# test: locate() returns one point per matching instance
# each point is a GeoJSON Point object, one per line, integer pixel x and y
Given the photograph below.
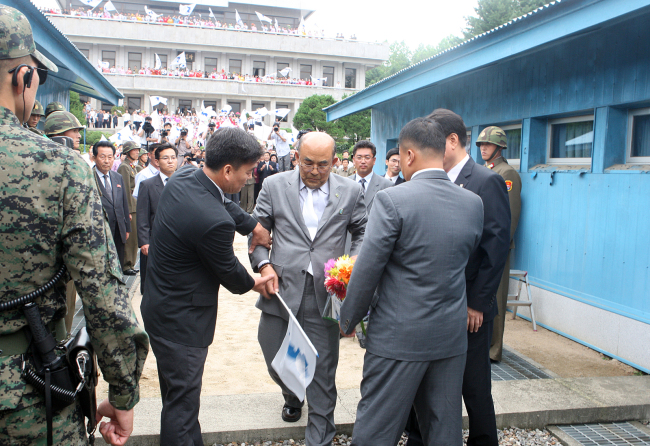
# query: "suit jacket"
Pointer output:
{"type": "Point", "coordinates": [411, 270]}
{"type": "Point", "coordinates": [115, 205]}
{"type": "Point", "coordinates": [190, 256]}
{"type": "Point", "coordinates": [278, 210]}
{"type": "Point", "coordinates": [399, 180]}
{"type": "Point", "coordinates": [128, 174]}
{"type": "Point", "coordinates": [485, 266]}
{"type": "Point", "coordinates": [264, 174]}
{"type": "Point", "coordinates": [377, 183]}
{"type": "Point", "coordinates": [148, 197]}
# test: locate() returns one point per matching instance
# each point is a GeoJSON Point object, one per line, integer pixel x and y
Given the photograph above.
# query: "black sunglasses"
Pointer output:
{"type": "Point", "coordinates": [42, 75]}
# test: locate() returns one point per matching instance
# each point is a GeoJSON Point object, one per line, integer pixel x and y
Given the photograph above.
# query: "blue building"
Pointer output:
{"type": "Point", "coordinates": [75, 73]}
{"type": "Point", "coordinates": [570, 83]}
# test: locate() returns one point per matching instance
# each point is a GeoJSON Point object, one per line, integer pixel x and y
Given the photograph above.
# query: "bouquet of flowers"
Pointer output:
{"type": "Point", "coordinates": [337, 277]}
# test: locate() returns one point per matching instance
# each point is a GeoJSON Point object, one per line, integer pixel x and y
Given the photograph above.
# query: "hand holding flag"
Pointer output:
{"type": "Point", "coordinates": [238, 19]}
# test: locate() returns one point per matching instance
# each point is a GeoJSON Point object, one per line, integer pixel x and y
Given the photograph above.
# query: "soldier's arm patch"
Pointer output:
{"type": "Point", "coordinates": [509, 185]}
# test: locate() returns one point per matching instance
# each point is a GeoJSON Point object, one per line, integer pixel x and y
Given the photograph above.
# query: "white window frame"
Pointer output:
{"type": "Point", "coordinates": [549, 139]}
{"type": "Point", "coordinates": [468, 147]}
{"type": "Point", "coordinates": [629, 159]}
{"type": "Point", "coordinates": [514, 162]}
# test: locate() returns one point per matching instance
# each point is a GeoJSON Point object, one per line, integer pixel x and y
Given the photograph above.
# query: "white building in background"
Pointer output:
{"type": "Point", "coordinates": [341, 64]}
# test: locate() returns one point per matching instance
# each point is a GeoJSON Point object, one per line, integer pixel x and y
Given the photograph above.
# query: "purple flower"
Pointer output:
{"type": "Point", "coordinates": [331, 263]}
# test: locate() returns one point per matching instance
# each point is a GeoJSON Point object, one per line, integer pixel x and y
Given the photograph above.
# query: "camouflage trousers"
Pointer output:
{"type": "Point", "coordinates": [28, 426]}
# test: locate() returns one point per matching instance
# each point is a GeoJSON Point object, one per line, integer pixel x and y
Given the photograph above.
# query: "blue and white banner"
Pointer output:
{"type": "Point", "coordinates": [155, 100]}
{"type": "Point", "coordinates": [150, 13]}
{"type": "Point", "coordinates": [281, 112]}
{"type": "Point", "coordinates": [126, 134]}
{"type": "Point", "coordinates": [179, 62]}
{"type": "Point", "coordinates": [226, 109]}
{"type": "Point", "coordinates": [92, 3]}
{"type": "Point", "coordinates": [158, 65]}
{"type": "Point", "coordinates": [211, 13]}
{"type": "Point", "coordinates": [103, 65]}
{"type": "Point", "coordinates": [263, 18]}
{"type": "Point", "coordinates": [285, 71]}
{"type": "Point", "coordinates": [295, 362]}
{"type": "Point", "coordinates": [109, 6]}
{"type": "Point", "coordinates": [238, 19]}
{"type": "Point", "coordinates": [186, 9]}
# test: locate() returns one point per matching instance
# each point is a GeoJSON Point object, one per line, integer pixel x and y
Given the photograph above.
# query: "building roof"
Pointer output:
{"type": "Point", "coordinates": [542, 27]}
{"type": "Point", "coordinates": [74, 68]}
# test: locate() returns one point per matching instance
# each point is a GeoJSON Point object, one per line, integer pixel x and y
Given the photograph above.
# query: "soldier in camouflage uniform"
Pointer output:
{"type": "Point", "coordinates": [52, 216]}
{"type": "Point", "coordinates": [32, 122]}
{"type": "Point", "coordinates": [128, 170]}
{"type": "Point", "coordinates": [492, 141]}
{"type": "Point", "coordinates": [52, 107]}
{"type": "Point", "coordinates": [63, 123]}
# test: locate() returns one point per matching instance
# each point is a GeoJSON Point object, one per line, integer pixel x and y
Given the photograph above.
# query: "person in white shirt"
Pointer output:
{"type": "Point", "coordinates": [364, 156]}
{"type": "Point", "coordinates": [392, 167]}
{"type": "Point", "coordinates": [127, 118]}
{"type": "Point", "coordinates": [282, 149]}
{"type": "Point", "coordinates": [148, 172]}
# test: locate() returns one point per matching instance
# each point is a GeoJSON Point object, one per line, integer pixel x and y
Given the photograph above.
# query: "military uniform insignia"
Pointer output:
{"type": "Point", "coordinates": [509, 185]}
{"type": "Point", "coordinates": [491, 166]}
{"type": "Point", "coordinates": [461, 185]}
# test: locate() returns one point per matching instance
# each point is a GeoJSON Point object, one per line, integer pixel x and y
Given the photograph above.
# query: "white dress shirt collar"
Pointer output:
{"type": "Point", "coordinates": [455, 171]}
{"type": "Point", "coordinates": [325, 188]}
{"type": "Point", "coordinates": [163, 177]}
{"type": "Point", "coordinates": [391, 179]}
{"type": "Point", "coordinates": [153, 170]}
{"type": "Point", "coordinates": [368, 178]}
{"type": "Point", "coordinates": [101, 177]}
{"type": "Point", "coordinates": [422, 171]}
{"type": "Point", "coordinates": [223, 198]}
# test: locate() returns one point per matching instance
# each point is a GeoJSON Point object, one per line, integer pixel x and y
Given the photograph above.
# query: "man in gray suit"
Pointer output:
{"type": "Point", "coordinates": [411, 272]}
{"type": "Point", "coordinates": [364, 156]}
{"type": "Point", "coordinates": [309, 211]}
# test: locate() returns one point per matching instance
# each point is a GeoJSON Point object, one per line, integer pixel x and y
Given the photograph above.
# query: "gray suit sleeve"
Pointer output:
{"type": "Point", "coordinates": [357, 225]}
{"type": "Point", "coordinates": [384, 229]}
{"type": "Point", "coordinates": [264, 215]}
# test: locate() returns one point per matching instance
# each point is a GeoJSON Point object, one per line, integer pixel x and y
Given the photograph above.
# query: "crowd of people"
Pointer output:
{"type": "Point", "coordinates": [196, 20]}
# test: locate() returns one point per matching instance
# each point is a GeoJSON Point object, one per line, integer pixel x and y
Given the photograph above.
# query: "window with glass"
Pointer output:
{"type": "Point", "coordinates": [468, 144]}
{"type": "Point", "coordinates": [305, 72]}
{"type": "Point", "coordinates": [350, 78]}
{"type": "Point", "coordinates": [639, 136]}
{"type": "Point", "coordinates": [236, 106]}
{"type": "Point", "coordinates": [106, 106]}
{"type": "Point", "coordinates": [234, 66]}
{"type": "Point", "coordinates": [83, 98]}
{"type": "Point", "coordinates": [259, 68]}
{"type": "Point", "coordinates": [185, 105]}
{"type": "Point", "coordinates": [109, 56]}
{"type": "Point", "coordinates": [328, 73]}
{"type": "Point", "coordinates": [163, 61]}
{"type": "Point", "coordinates": [571, 139]}
{"type": "Point", "coordinates": [257, 105]}
{"type": "Point", "coordinates": [282, 66]}
{"type": "Point", "coordinates": [513, 137]}
{"type": "Point", "coordinates": [212, 104]}
{"type": "Point", "coordinates": [210, 64]}
{"type": "Point", "coordinates": [135, 61]}
{"type": "Point", "coordinates": [134, 103]}
{"type": "Point", "coordinates": [85, 52]}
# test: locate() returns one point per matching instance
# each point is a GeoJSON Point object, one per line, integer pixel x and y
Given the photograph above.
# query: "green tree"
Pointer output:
{"type": "Point", "coordinates": [399, 58]}
{"type": "Point", "coordinates": [356, 126]}
{"type": "Point", "coordinates": [310, 115]}
{"type": "Point", "coordinates": [77, 107]}
{"type": "Point", "coordinates": [423, 52]}
{"type": "Point", "coordinates": [493, 13]}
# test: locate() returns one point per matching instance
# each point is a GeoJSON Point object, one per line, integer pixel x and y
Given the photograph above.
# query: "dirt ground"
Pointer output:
{"type": "Point", "coordinates": [235, 364]}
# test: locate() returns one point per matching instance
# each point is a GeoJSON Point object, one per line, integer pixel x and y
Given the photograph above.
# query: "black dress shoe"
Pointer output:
{"type": "Point", "coordinates": [130, 272]}
{"type": "Point", "coordinates": [291, 414]}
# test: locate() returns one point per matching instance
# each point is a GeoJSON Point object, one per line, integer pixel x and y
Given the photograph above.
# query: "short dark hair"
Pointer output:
{"type": "Point", "coordinates": [148, 118]}
{"type": "Point", "coordinates": [276, 157]}
{"type": "Point", "coordinates": [450, 123]}
{"type": "Point", "coordinates": [391, 152]}
{"type": "Point", "coordinates": [162, 147]}
{"type": "Point", "coordinates": [231, 145]}
{"type": "Point", "coordinates": [167, 124]}
{"type": "Point", "coordinates": [153, 147]}
{"type": "Point", "coordinates": [364, 144]}
{"type": "Point", "coordinates": [425, 134]}
{"type": "Point", "coordinates": [99, 144]}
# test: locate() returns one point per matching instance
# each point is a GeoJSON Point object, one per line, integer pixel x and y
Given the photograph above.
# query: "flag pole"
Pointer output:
{"type": "Point", "coordinates": [297, 324]}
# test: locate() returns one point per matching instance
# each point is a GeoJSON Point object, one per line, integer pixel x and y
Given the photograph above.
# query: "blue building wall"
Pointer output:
{"type": "Point", "coordinates": [583, 233]}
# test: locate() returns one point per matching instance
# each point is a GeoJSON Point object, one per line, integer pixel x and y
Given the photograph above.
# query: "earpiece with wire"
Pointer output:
{"type": "Point", "coordinates": [27, 83]}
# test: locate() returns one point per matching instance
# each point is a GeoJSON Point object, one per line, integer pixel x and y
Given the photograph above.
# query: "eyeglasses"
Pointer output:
{"type": "Point", "coordinates": [394, 161]}
{"type": "Point", "coordinates": [42, 75]}
{"type": "Point", "coordinates": [105, 157]}
{"type": "Point", "coordinates": [361, 157]}
{"type": "Point", "coordinates": [168, 158]}
{"type": "Point", "coordinates": [322, 168]}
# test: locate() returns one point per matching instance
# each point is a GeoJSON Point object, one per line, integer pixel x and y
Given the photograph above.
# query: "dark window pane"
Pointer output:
{"type": "Point", "coordinates": [350, 78]}
{"type": "Point", "coordinates": [212, 104]}
{"type": "Point", "coordinates": [135, 61]}
{"type": "Point", "coordinates": [572, 140]}
{"type": "Point", "coordinates": [259, 68]}
{"type": "Point", "coordinates": [328, 73]}
{"type": "Point", "coordinates": [134, 103]}
{"type": "Point", "coordinates": [163, 61]}
{"type": "Point", "coordinates": [514, 144]}
{"type": "Point", "coordinates": [234, 66]}
{"type": "Point", "coordinates": [641, 136]}
{"type": "Point", "coordinates": [305, 72]}
{"type": "Point", "coordinates": [185, 105]}
{"type": "Point", "coordinates": [236, 107]}
{"type": "Point", "coordinates": [109, 56]}
{"type": "Point", "coordinates": [210, 64]}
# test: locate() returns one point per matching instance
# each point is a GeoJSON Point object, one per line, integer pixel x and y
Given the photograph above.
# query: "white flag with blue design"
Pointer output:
{"type": "Point", "coordinates": [281, 112]}
{"type": "Point", "coordinates": [179, 61]}
{"type": "Point", "coordinates": [285, 71]}
{"type": "Point", "coordinates": [262, 18]}
{"type": "Point", "coordinates": [150, 13]}
{"type": "Point", "coordinates": [155, 100]}
{"type": "Point", "coordinates": [103, 65]}
{"type": "Point", "coordinates": [295, 362]}
{"type": "Point", "coordinates": [226, 109]}
{"type": "Point", "coordinates": [109, 6]}
{"type": "Point", "coordinates": [238, 19]}
{"type": "Point", "coordinates": [92, 3]}
{"type": "Point", "coordinates": [158, 65]}
{"type": "Point", "coordinates": [186, 9]}
{"type": "Point", "coordinates": [211, 13]}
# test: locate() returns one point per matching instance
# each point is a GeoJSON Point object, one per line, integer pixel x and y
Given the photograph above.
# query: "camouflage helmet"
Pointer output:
{"type": "Point", "coordinates": [143, 151]}
{"type": "Point", "coordinates": [52, 107]}
{"type": "Point", "coordinates": [38, 109]}
{"type": "Point", "coordinates": [60, 122]}
{"type": "Point", "coordinates": [130, 145]}
{"type": "Point", "coordinates": [493, 135]}
{"type": "Point", "coordinates": [17, 39]}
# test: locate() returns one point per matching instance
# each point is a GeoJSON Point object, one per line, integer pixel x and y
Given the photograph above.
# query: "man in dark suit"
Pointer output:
{"type": "Point", "coordinates": [190, 256]}
{"type": "Point", "coordinates": [266, 168]}
{"type": "Point", "coordinates": [113, 192]}
{"type": "Point", "coordinates": [392, 167]}
{"type": "Point", "coordinates": [148, 197]}
{"type": "Point", "coordinates": [418, 307]}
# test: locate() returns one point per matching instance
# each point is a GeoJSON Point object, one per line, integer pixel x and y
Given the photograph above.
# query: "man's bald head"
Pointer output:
{"type": "Point", "coordinates": [315, 156]}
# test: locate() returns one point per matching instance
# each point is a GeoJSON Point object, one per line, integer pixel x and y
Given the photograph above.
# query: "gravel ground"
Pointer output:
{"type": "Point", "coordinates": [507, 437]}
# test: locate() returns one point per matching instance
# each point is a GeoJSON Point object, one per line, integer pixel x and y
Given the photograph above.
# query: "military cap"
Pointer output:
{"type": "Point", "coordinates": [38, 109]}
{"type": "Point", "coordinates": [61, 121]}
{"type": "Point", "coordinates": [130, 145]}
{"type": "Point", "coordinates": [54, 106]}
{"type": "Point", "coordinates": [143, 151]}
{"type": "Point", "coordinates": [17, 39]}
{"type": "Point", "coordinates": [493, 135]}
